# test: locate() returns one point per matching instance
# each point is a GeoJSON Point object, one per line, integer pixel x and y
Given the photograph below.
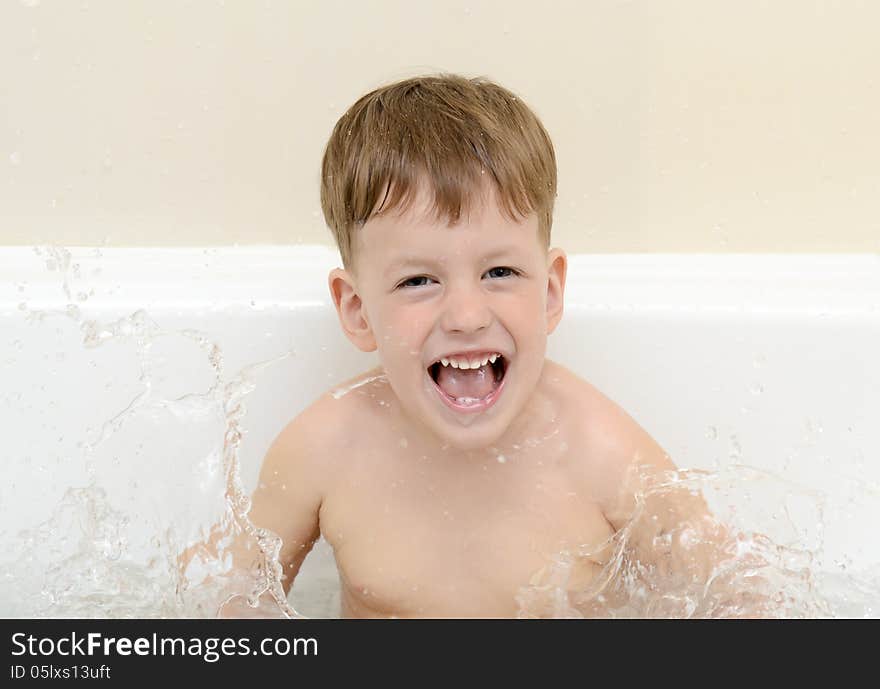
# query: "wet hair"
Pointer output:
{"type": "Point", "coordinates": [448, 130]}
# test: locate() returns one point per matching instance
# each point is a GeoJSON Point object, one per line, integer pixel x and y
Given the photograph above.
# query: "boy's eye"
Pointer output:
{"type": "Point", "coordinates": [419, 281]}
{"type": "Point", "coordinates": [501, 272]}
{"type": "Point", "coordinates": [424, 280]}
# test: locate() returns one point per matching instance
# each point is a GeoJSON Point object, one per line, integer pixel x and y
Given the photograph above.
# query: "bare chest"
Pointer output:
{"type": "Point", "coordinates": [416, 538]}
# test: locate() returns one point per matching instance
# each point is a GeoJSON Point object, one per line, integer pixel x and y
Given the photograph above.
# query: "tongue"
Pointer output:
{"type": "Point", "coordinates": [475, 383]}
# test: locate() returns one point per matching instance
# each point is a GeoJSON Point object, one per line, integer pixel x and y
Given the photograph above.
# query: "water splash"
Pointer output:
{"type": "Point", "coordinates": [102, 554]}
{"type": "Point", "coordinates": [750, 574]}
{"type": "Point", "coordinates": [342, 391]}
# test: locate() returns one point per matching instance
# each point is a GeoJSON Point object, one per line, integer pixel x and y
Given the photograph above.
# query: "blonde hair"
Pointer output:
{"type": "Point", "coordinates": [444, 128]}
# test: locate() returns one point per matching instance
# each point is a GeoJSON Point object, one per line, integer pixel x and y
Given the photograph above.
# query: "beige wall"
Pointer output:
{"type": "Point", "coordinates": [687, 125]}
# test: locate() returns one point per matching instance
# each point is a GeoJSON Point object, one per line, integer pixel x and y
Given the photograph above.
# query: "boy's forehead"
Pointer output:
{"type": "Point", "coordinates": [420, 207]}
{"type": "Point", "coordinates": [403, 238]}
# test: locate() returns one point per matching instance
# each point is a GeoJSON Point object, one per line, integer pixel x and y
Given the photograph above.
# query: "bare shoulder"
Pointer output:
{"type": "Point", "coordinates": [305, 432]}
{"type": "Point", "coordinates": [300, 470]}
{"type": "Point", "coordinates": [610, 442]}
{"type": "Point", "coordinates": [572, 390]}
{"type": "Point", "coordinates": [330, 423]}
{"type": "Point", "coordinates": [298, 473]}
{"type": "Point", "coordinates": [599, 419]}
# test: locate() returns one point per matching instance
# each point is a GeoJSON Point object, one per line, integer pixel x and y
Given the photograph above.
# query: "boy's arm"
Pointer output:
{"type": "Point", "coordinates": [286, 502]}
{"type": "Point", "coordinates": [288, 497]}
{"type": "Point", "coordinates": [672, 531]}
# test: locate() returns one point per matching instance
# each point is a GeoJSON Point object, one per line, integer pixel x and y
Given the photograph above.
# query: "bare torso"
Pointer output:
{"type": "Point", "coordinates": [421, 532]}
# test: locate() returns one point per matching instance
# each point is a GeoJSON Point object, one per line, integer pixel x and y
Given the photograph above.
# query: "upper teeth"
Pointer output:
{"type": "Point", "coordinates": [465, 362]}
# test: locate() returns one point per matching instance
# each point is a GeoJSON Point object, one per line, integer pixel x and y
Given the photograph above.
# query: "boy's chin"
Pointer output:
{"type": "Point", "coordinates": [471, 438]}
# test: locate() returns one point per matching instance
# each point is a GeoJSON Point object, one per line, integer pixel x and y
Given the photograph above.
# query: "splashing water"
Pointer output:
{"type": "Point", "coordinates": [92, 558]}
{"type": "Point", "coordinates": [784, 576]}
{"type": "Point", "coordinates": [112, 553]}
{"type": "Point", "coordinates": [171, 456]}
{"type": "Point", "coordinates": [344, 390]}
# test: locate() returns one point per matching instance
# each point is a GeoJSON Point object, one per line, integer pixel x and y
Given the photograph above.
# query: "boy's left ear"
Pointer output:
{"type": "Point", "coordinates": [557, 264]}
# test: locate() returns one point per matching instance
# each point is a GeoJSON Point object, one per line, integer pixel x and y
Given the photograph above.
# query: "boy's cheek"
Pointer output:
{"type": "Point", "coordinates": [402, 338]}
{"type": "Point", "coordinates": [406, 325]}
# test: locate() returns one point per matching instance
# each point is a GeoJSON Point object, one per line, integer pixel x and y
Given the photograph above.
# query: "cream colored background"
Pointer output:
{"type": "Point", "coordinates": [682, 126]}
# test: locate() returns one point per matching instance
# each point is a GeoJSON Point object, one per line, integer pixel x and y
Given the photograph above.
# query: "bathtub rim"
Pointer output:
{"type": "Point", "coordinates": [34, 277]}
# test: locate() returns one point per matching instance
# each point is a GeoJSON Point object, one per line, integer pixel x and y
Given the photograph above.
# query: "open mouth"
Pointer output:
{"type": "Point", "coordinates": [469, 382]}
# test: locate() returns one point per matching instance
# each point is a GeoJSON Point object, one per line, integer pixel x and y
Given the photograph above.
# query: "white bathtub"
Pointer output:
{"type": "Point", "coordinates": [116, 363]}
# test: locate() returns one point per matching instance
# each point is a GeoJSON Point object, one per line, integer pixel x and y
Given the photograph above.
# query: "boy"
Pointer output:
{"type": "Point", "coordinates": [448, 478]}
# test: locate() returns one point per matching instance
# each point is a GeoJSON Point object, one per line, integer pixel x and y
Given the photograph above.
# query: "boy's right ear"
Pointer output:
{"type": "Point", "coordinates": [350, 307]}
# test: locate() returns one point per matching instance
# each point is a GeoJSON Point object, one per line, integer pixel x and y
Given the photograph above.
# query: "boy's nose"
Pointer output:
{"type": "Point", "coordinates": [465, 311]}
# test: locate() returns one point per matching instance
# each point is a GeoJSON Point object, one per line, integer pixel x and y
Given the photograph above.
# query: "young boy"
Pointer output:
{"type": "Point", "coordinates": [448, 478]}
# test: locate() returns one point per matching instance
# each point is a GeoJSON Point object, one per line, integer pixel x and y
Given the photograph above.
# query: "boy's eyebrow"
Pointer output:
{"type": "Point", "coordinates": [408, 262]}
{"type": "Point", "coordinates": [418, 262]}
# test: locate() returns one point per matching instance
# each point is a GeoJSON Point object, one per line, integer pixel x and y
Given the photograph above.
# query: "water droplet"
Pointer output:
{"type": "Point", "coordinates": [720, 233]}
{"type": "Point", "coordinates": [712, 433]}
{"type": "Point", "coordinates": [813, 427]}
{"type": "Point", "coordinates": [501, 459]}
{"type": "Point", "coordinates": [735, 451]}
{"type": "Point", "coordinates": [15, 158]}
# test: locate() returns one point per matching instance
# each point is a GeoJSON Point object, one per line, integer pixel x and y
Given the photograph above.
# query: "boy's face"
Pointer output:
{"type": "Point", "coordinates": [423, 291]}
